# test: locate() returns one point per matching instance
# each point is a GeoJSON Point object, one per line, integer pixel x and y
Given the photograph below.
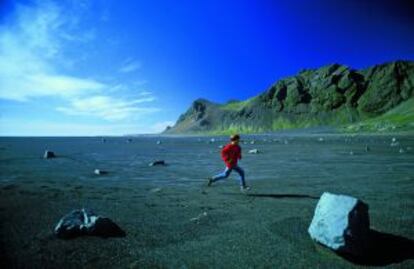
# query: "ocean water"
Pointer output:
{"type": "Point", "coordinates": [314, 158]}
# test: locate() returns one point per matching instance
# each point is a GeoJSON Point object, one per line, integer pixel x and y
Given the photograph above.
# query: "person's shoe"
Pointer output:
{"type": "Point", "coordinates": [209, 181]}
{"type": "Point", "coordinates": [244, 188]}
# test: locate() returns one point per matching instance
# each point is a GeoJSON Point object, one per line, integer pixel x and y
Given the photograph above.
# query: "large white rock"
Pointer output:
{"type": "Point", "coordinates": [341, 223]}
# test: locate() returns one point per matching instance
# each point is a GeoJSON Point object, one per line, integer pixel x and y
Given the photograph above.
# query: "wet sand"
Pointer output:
{"type": "Point", "coordinates": [172, 220]}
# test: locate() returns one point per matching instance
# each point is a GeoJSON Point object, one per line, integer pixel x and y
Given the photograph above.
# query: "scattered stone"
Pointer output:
{"type": "Point", "coordinates": [100, 172]}
{"type": "Point", "coordinates": [351, 153]}
{"type": "Point", "coordinates": [129, 140]}
{"type": "Point", "coordinates": [158, 162]}
{"type": "Point", "coordinates": [49, 154]}
{"type": "Point", "coordinates": [394, 142]}
{"type": "Point", "coordinates": [320, 139]}
{"type": "Point", "coordinates": [86, 222]}
{"type": "Point", "coordinates": [103, 140]}
{"type": "Point", "coordinates": [341, 223]}
{"type": "Point", "coordinates": [409, 148]}
{"type": "Point", "coordinates": [286, 142]}
{"type": "Point", "coordinates": [401, 150]}
{"type": "Point", "coordinates": [367, 148]}
{"type": "Point", "coordinates": [221, 146]}
{"type": "Point", "coordinates": [199, 217]}
{"type": "Point", "coordinates": [155, 190]}
{"type": "Point", "coordinates": [254, 151]}
{"type": "Point", "coordinates": [212, 140]}
{"type": "Point", "coordinates": [252, 142]}
{"type": "Point", "coordinates": [159, 142]}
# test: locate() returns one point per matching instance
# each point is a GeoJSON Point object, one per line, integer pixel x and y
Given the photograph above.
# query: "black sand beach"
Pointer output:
{"type": "Point", "coordinates": [172, 220]}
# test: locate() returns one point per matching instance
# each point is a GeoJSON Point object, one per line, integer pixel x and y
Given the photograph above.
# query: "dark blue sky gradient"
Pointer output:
{"type": "Point", "coordinates": [226, 50]}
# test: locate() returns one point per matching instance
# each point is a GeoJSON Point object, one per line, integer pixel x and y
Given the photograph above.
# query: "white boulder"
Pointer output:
{"type": "Point", "coordinates": [341, 223]}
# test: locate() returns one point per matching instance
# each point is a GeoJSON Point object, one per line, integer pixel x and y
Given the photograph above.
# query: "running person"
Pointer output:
{"type": "Point", "coordinates": [231, 154]}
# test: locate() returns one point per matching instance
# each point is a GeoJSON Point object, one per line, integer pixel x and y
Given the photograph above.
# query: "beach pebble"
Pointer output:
{"type": "Point", "coordinates": [155, 190]}
{"type": "Point", "coordinates": [199, 217]}
{"type": "Point", "coordinates": [367, 148]}
{"type": "Point", "coordinates": [401, 150]}
{"type": "Point", "coordinates": [351, 153]}
{"type": "Point", "coordinates": [49, 154]}
{"type": "Point", "coordinates": [221, 146]}
{"type": "Point", "coordinates": [254, 151]}
{"type": "Point", "coordinates": [159, 142]}
{"type": "Point", "coordinates": [212, 140]}
{"type": "Point", "coordinates": [252, 142]}
{"type": "Point", "coordinates": [100, 172]}
{"type": "Point", "coordinates": [129, 140]}
{"type": "Point", "coordinates": [394, 142]}
{"type": "Point", "coordinates": [341, 223]}
{"type": "Point", "coordinates": [85, 222]}
{"type": "Point", "coordinates": [158, 162]}
{"type": "Point", "coordinates": [320, 139]}
{"type": "Point", "coordinates": [103, 140]}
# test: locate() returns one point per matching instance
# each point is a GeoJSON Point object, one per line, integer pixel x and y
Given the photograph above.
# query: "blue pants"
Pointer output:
{"type": "Point", "coordinates": [226, 173]}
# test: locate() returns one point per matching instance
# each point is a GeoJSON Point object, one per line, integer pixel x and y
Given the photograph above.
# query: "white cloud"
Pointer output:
{"type": "Point", "coordinates": [31, 53]}
{"type": "Point", "coordinates": [108, 108]}
{"type": "Point", "coordinates": [129, 66]}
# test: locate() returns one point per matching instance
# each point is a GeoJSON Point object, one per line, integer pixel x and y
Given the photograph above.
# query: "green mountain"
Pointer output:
{"type": "Point", "coordinates": [379, 98]}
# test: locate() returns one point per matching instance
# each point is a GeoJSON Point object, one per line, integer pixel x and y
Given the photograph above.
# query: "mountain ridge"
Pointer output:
{"type": "Point", "coordinates": [333, 95]}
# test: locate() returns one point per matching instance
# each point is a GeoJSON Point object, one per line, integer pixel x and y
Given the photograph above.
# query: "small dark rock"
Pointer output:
{"type": "Point", "coordinates": [158, 162]}
{"type": "Point", "coordinates": [100, 172]}
{"type": "Point", "coordinates": [49, 154]}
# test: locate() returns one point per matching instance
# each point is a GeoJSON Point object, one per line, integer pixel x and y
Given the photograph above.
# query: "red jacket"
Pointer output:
{"type": "Point", "coordinates": [231, 154]}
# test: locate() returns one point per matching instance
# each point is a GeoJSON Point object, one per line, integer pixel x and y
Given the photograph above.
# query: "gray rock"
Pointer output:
{"type": "Point", "coordinates": [341, 223]}
{"type": "Point", "coordinates": [158, 162]}
{"type": "Point", "coordinates": [49, 154]}
{"type": "Point", "coordinates": [100, 172]}
{"type": "Point", "coordinates": [254, 151]}
{"type": "Point", "coordinates": [86, 222]}
{"type": "Point", "coordinates": [159, 142]}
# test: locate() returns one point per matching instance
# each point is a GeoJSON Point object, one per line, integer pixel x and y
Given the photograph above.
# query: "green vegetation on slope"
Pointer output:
{"type": "Point", "coordinates": [235, 105]}
{"type": "Point", "coordinates": [397, 119]}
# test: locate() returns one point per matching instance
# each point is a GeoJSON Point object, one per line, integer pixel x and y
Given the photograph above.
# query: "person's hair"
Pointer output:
{"type": "Point", "coordinates": [234, 137]}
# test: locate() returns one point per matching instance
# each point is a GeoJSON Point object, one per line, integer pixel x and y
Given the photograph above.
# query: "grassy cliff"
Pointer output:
{"type": "Point", "coordinates": [379, 98]}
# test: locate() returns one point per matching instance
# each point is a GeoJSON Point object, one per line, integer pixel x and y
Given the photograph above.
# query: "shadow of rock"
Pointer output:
{"type": "Point", "coordinates": [384, 249]}
{"type": "Point", "coordinates": [280, 196]}
{"type": "Point", "coordinates": [105, 227]}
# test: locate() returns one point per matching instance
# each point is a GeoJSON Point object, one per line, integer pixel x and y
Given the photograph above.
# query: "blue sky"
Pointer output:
{"type": "Point", "coordinates": [123, 67]}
